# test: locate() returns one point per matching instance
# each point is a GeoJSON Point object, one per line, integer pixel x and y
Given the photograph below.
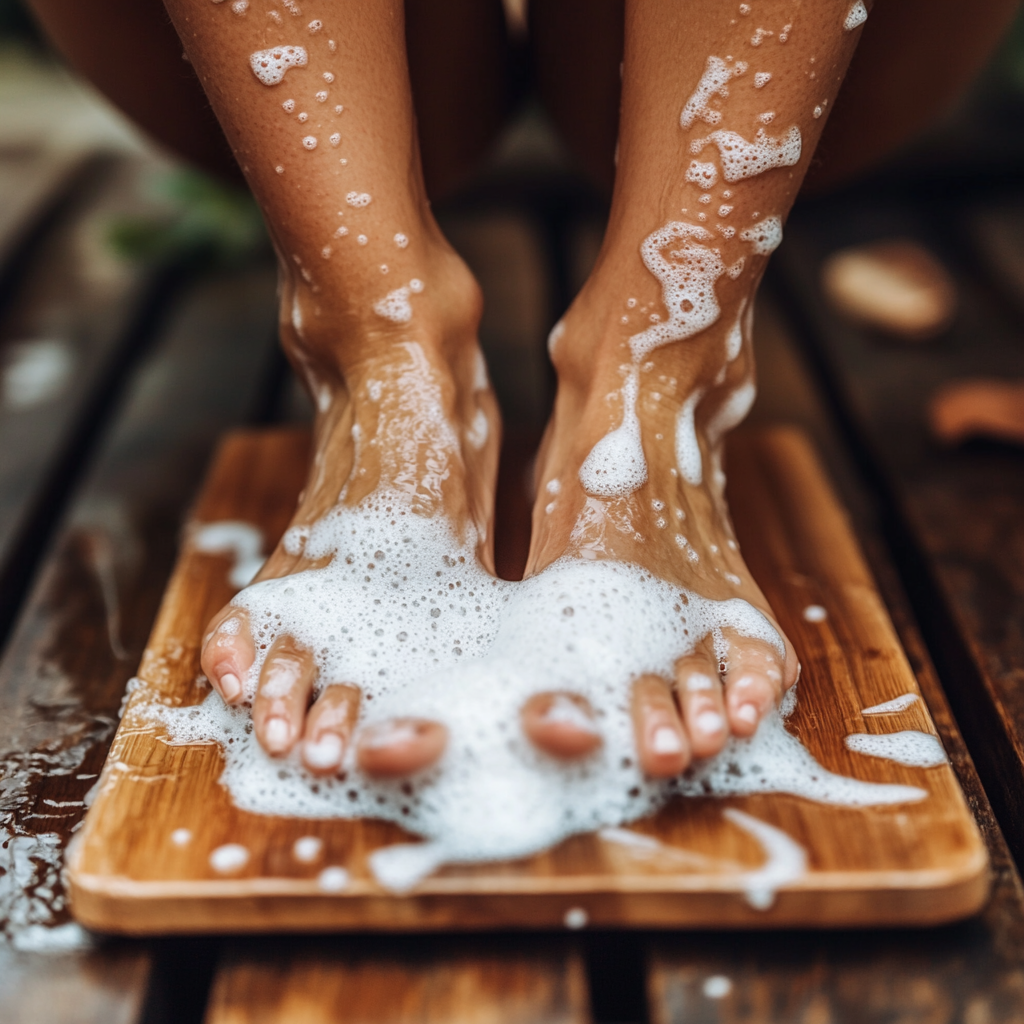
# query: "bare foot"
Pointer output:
{"type": "Point", "coordinates": [403, 407]}
{"type": "Point", "coordinates": [630, 471]}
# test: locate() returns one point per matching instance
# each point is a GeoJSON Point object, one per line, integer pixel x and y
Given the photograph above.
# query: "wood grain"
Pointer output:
{"type": "Point", "coordinates": [84, 625]}
{"type": "Point", "coordinates": [916, 863]}
{"type": "Point", "coordinates": [954, 518]}
{"type": "Point", "coordinates": [959, 974]}
{"type": "Point", "coordinates": [329, 981]}
{"type": "Point", "coordinates": [83, 303]}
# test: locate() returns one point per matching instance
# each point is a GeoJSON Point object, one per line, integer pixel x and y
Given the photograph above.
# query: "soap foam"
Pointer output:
{"type": "Point", "coordinates": [731, 413]}
{"type": "Point", "coordinates": [308, 849]}
{"type": "Point", "coordinates": [476, 433]}
{"type": "Point", "coordinates": [270, 66]}
{"type": "Point", "coordinates": [395, 306]}
{"type": "Point", "coordinates": [786, 859]}
{"type": "Point", "coordinates": [687, 281]}
{"type": "Point", "coordinates": [714, 82]}
{"type": "Point", "coordinates": [742, 159]}
{"type": "Point", "coordinates": [734, 339]}
{"type": "Point", "coordinates": [765, 237]}
{"type": "Point", "coordinates": [856, 16]}
{"type": "Point", "coordinates": [241, 541]}
{"type": "Point", "coordinates": [892, 707]}
{"type": "Point", "coordinates": [402, 589]}
{"type": "Point", "coordinates": [910, 747]}
{"type": "Point", "coordinates": [229, 858]}
{"type": "Point", "coordinates": [687, 447]}
{"type": "Point", "coordinates": [616, 465]}
{"type": "Point", "coordinates": [703, 174]}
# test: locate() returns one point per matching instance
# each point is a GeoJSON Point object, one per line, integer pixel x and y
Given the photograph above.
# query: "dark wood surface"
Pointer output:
{"type": "Point", "coordinates": [953, 975]}
{"type": "Point", "coordinates": [89, 314]}
{"type": "Point", "coordinates": [34, 182]}
{"type": "Point", "coordinates": [435, 980]}
{"type": "Point", "coordinates": [953, 518]}
{"type": "Point", "coordinates": [80, 631]}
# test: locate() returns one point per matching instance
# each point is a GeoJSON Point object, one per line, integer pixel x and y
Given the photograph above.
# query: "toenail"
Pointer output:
{"type": "Point", "coordinates": [276, 733]}
{"type": "Point", "coordinates": [323, 753]}
{"type": "Point", "coordinates": [712, 721]}
{"type": "Point", "coordinates": [666, 741]}
{"type": "Point", "coordinates": [567, 712]}
{"type": "Point", "coordinates": [387, 734]}
{"type": "Point", "coordinates": [230, 686]}
{"type": "Point", "coordinates": [698, 682]}
{"type": "Point", "coordinates": [747, 713]}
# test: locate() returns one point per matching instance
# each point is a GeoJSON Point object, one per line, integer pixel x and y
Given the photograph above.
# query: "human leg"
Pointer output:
{"type": "Point", "coordinates": [377, 313]}
{"type": "Point", "coordinates": [722, 107]}
{"type": "Point", "coordinates": [130, 51]}
{"type": "Point", "coordinates": [895, 88]}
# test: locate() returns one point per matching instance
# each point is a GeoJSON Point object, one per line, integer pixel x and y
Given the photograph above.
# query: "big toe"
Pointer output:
{"type": "Point", "coordinates": [228, 653]}
{"type": "Point", "coordinates": [755, 678]}
{"type": "Point", "coordinates": [400, 746]}
{"type": "Point", "coordinates": [562, 724]}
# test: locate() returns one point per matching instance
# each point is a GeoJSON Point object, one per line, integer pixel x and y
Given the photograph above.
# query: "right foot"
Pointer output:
{"type": "Point", "coordinates": [404, 406]}
{"type": "Point", "coordinates": [630, 472]}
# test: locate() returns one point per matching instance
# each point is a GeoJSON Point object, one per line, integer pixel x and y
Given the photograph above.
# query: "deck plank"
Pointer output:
{"type": "Point", "coordinates": [962, 973]}
{"type": "Point", "coordinates": [332, 981]}
{"type": "Point", "coordinates": [33, 182]}
{"type": "Point", "coordinates": [83, 627]}
{"type": "Point", "coordinates": [955, 517]}
{"type": "Point", "coordinates": [63, 334]}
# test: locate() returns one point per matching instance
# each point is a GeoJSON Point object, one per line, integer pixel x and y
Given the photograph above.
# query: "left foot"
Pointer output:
{"type": "Point", "coordinates": [656, 502]}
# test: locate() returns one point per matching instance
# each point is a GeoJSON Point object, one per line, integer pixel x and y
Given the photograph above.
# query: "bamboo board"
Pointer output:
{"type": "Point", "coordinates": [915, 863]}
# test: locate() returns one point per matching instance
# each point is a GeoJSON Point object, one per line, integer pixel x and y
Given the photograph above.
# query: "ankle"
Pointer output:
{"type": "Point", "coordinates": [336, 318]}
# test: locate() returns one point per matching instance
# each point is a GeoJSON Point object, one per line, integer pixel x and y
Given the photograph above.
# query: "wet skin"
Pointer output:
{"type": "Point", "coordinates": [330, 288]}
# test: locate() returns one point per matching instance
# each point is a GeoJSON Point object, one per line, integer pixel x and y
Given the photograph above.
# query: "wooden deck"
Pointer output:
{"type": "Point", "coordinates": [96, 480]}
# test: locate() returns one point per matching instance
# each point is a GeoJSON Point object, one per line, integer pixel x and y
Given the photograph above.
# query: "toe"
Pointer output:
{"type": "Point", "coordinates": [282, 696]}
{"type": "Point", "coordinates": [329, 726]}
{"type": "Point", "coordinates": [661, 741]}
{"type": "Point", "coordinates": [561, 724]}
{"type": "Point", "coordinates": [228, 653]}
{"type": "Point", "coordinates": [401, 746]}
{"type": "Point", "coordinates": [754, 683]}
{"type": "Point", "coordinates": [699, 693]}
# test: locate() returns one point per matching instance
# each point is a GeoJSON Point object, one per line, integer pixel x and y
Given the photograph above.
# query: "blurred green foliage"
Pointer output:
{"type": "Point", "coordinates": [208, 223]}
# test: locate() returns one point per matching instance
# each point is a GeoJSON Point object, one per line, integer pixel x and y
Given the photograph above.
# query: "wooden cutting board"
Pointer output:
{"type": "Point", "coordinates": [912, 863]}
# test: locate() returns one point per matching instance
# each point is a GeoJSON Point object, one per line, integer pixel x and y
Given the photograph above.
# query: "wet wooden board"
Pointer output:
{"type": "Point", "coordinates": [320, 981]}
{"type": "Point", "coordinates": [954, 516]}
{"type": "Point", "coordinates": [913, 863]}
{"type": "Point", "coordinates": [967, 972]}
